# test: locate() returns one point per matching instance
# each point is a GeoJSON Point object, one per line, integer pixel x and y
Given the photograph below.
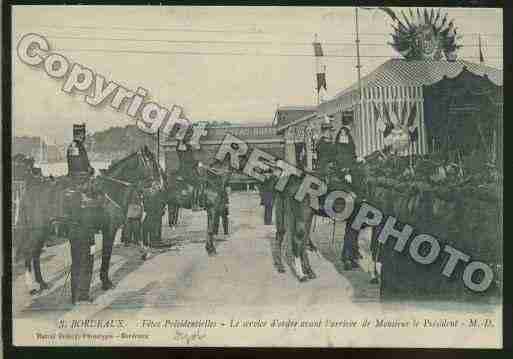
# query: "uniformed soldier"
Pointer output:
{"type": "Point", "coordinates": [82, 210]}
{"type": "Point", "coordinates": [346, 170]}
{"type": "Point", "coordinates": [189, 170]}
{"type": "Point", "coordinates": [81, 234]}
{"type": "Point", "coordinates": [78, 162]}
{"type": "Point", "coordinates": [325, 149]}
{"type": "Point", "coordinates": [345, 149]}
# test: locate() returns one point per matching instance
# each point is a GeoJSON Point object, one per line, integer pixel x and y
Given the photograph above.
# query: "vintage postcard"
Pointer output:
{"type": "Point", "coordinates": [256, 176]}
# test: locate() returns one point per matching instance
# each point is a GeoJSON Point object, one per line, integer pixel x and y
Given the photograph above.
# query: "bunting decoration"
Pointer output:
{"type": "Point", "coordinates": [397, 124]}
{"type": "Point", "coordinates": [320, 69]}
{"type": "Point", "coordinates": [321, 81]}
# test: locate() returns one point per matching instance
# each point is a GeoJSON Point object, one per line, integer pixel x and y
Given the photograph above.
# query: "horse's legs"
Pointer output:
{"type": "Point", "coordinates": [375, 254]}
{"type": "Point", "coordinates": [29, 279]}
{"type": "Point", "coordinates": [298, 246]}
{"type": "Point", "coordinates": [109, 234]}
{"type": "Point", "coordinates": [209, 245]}
{"type": "Point", "coordinates": [172, 214]}
{"type": "Point", "coordinates": [308, 218]}
{"type": "Point", "coordinates": [348, 247]}
{"type": "Point", "coordinates": [37, 272]}
{"type": "Point", "coordinates": [36, 260]}
{"type": "Point", "coordinates": [276, 250]}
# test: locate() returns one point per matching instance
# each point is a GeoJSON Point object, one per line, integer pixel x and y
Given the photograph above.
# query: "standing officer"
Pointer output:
{"type": "Point", "coordinates": [345, 150]}
{"type": "Point", "coordinates": [267, 198]}
{"type": "Point", "coordinates": [325, 148]}
{"type": "Point", "coordinates": [78, 162]}
{"type": "Point", "coordinates": [132, 231]}
{"type": "Point", "coordinates": [190, 171]}
{"type": "Point", "coordinates": [83, 210]}
{"type": "Point", "coordinates": [224, 215]}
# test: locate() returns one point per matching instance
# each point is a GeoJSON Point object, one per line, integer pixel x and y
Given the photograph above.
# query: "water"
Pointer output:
{"type": "Point", "coordinates": [61, 168]}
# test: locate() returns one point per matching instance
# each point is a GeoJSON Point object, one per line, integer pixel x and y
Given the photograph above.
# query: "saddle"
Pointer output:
{"type": "Point", "coordinates": [78, 203]}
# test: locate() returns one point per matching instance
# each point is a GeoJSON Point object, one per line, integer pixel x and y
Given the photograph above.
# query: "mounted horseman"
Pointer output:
{"type": "Point", "coordinates": [339, 171]}
{"type": "Point", "coordinates": [85, 205]}
{"type": "Point", "coordinates": [198, 186]}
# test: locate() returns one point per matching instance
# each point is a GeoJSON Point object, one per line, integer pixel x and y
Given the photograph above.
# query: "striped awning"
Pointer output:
{"type": "Point", "coordinates": [399, 72]}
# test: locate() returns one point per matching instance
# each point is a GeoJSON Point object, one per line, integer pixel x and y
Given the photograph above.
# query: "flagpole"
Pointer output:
{"type": "Point", "coordinates": [358, 69]}
{"type": "Point", "coordinates": [317, 69]}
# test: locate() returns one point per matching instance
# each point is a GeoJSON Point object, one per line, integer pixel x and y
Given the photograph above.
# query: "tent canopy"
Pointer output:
{"type": "Point", "coordinates": [399, 72]}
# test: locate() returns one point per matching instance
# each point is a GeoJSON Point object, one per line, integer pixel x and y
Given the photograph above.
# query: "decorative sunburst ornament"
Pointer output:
{"type": "Point", "coordinates": [424, 35]}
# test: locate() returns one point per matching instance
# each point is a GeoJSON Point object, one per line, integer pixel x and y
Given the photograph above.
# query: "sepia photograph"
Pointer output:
{"type": "Point", "coordinates": [268, 176]}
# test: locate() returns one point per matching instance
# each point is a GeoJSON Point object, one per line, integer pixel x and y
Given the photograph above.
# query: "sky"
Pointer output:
{"type": "Point", "coordinates": [220, 63]}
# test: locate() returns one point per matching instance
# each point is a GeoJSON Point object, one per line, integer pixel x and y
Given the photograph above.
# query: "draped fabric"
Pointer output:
{"type": "Point", "coordinates": [462, 113]}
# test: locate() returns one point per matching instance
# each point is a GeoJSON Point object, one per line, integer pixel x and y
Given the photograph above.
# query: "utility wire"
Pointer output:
{"type": "Point", "coordinates": [149, 29]}
{"type": "Point", "coordinates": [223, 53]}
{"type": "Point", "coordinates": [225, 42]}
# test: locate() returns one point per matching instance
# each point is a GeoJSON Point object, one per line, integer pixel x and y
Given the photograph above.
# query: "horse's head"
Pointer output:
{"type": "Point", "coordinates": [24, 169]}
{"type": "Point", "coordinates": [138, 167]}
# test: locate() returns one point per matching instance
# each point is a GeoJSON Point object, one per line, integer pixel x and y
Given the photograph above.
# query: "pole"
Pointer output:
{"type": "Point", "coordinates": [158, 147]}
{"type": "Point", "coordinates": [358, 69]}
{"type": "Point", "coordinates": [317, 70]}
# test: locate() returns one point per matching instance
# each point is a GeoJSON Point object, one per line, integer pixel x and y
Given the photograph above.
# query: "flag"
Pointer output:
{"type": "Point", "coordinates": [381, 126]}
{"type": "Point", "coordinates": [481, 57]}
{"type": "Point", "coordinates": [321, 70]}
{"type": "Point", "coordinates": [321, 81]}
{"type": "Point", "coordinates": [412, 116]}
{"type": "Point", "coordinates": [413, 130]}
{"type": "Point", "coordinates": [414, 135]}
{"type": "Point", "coordinates": [317, 49]}
{"type": "Point", "coordinates": [393, 114]}
{"type": "Point", "coordinates": [389, 126]}
{"type": "Point", "coordinates": [404, 114]}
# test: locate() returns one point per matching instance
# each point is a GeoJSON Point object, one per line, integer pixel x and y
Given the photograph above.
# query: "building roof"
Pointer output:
{"type": "Point", "coordinates": [399, 72]}
{"type": "Point", "coordinates": [250, 134]}
{"type": "Point", "coordinates": [287, 114]}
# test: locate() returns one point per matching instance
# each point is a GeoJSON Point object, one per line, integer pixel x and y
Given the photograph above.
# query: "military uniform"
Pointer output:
{"type": "Point", "coordinates": [78, 161]}
{"type": "Point", "coordinates": [82, 209]}
{"type": "Point", "coordinates": [189, 170]}
{"type": "Point", "coordinates": [131, 233]}
{"type": "Point", "coordinates": [345, 149]}
{"type": "Point", "coordinates": [326, 154]}
{"type": "Point", "coordinates": [349, 176]}
{"type": "Point", "coordinates": [224, 215]}
{"type": "Point", "coordinates": [81, 212]}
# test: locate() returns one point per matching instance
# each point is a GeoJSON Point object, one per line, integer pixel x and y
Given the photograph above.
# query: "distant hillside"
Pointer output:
{"type": "Point", "coordinates": [29, 146]}
{"type": "Point", "coordinates": [117, 142]}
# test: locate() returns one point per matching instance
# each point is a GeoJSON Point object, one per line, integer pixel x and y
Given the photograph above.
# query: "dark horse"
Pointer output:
{"type": "Point", "coordinates": [294, 222]}
{"type": "Point", "coordinates": [43, 204]}
{"type": "Point", "coordinates": [211, 198]}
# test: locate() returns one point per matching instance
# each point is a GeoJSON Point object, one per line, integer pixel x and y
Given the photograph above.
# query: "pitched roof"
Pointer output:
{"type": "Point", "coordinates": [399, 72]}
{"type": "Point", "coordinates": [288, 114]}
